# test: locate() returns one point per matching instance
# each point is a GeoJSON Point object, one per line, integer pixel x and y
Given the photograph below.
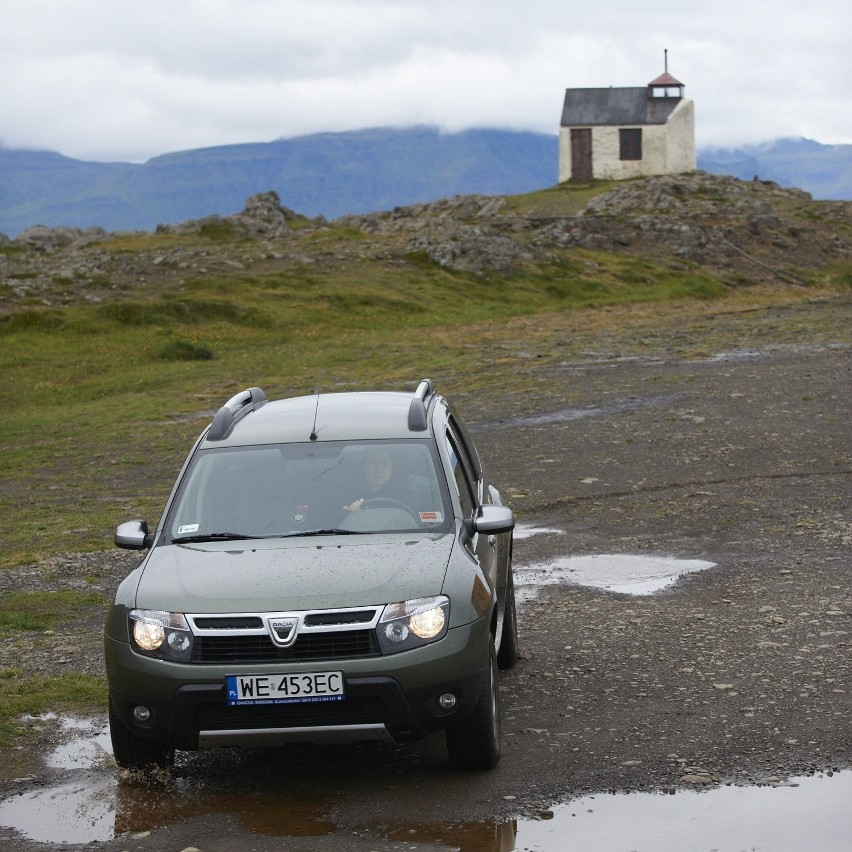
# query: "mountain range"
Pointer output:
{"type": "Point", "coordinates": [332, 174]}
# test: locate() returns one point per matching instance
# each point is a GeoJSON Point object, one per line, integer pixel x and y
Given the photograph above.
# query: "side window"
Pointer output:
{"type": "Point", "coordinates": [462, 477]}
{"type": "Point", "coordinates": [469, 454]}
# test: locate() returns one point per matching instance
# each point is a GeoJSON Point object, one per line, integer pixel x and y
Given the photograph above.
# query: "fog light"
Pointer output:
{"type": "Point", "coordinates": [447, 701]}
{"type": "Point", "coordinates": [141, 714]}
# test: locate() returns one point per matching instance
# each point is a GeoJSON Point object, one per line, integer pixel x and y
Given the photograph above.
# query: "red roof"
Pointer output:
{"type": "Point", "coordinates": [665, 80]}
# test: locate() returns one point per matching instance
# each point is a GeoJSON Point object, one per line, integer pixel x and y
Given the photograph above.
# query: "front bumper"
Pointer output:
{"type": "Point", "coordinates": [392, 698]}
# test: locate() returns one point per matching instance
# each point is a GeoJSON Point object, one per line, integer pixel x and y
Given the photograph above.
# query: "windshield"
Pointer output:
{"type": "Point", "coordinates": [310, 489]}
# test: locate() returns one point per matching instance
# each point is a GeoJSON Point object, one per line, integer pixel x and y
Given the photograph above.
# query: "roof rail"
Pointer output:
{"type": "Point", "coordinates": [417, 421]}
{"type": "Point", "coordinates": [233, 410]}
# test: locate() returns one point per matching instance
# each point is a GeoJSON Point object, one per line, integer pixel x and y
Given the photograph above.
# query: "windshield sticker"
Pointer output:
{"type": "Point", "coordinates": [431, 517]}
{"type": "Point", "coordinates": [187, 528]}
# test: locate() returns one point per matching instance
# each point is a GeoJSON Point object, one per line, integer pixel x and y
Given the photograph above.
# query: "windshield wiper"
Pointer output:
{"type": "Point", "coordinates": [329, 531]}
{"type": "Point", "coordinates": [227, 536]}
{"type": "Point", "coordinates": [219, 536]}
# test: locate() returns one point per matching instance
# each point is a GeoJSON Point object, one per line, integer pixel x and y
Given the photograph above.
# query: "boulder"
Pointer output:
{"type": "Point", "coordinates": [263, 216]}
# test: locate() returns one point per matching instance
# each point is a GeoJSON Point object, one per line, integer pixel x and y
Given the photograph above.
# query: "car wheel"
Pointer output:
{"type": "Point", "coordinates": [474, 742]}
{"type": "Point", "coordinates": [509, 651]}
{"type": "Point", "coordinates": [134, 752]}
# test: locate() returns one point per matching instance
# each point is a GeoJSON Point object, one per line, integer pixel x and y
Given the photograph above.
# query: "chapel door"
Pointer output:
{"type": "Point", "coordinates": [581, 155]}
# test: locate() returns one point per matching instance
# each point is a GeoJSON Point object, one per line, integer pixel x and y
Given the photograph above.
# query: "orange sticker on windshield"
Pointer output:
{"type": "Point", "coordinates": [431, 518]}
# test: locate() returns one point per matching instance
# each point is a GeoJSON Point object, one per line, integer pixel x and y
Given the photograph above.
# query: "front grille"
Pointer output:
{"type": "Point", "coordinates": [331, 645]}
{"type": "Point", "coordinates": [353, 711]}
{"type": "Point", "coordinates": [228, 622]}
{"type": "Point", "coordinates": [317, 619]}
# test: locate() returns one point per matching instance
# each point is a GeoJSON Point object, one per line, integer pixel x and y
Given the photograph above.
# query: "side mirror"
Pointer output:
{"type": "Point", "coordinates": [494, 519]}
{"type": "Point", "coordinates": [133, 535]}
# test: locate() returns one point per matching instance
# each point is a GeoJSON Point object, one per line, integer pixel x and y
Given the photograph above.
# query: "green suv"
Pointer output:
{"type": "Point", "coordinates": [330, 569]}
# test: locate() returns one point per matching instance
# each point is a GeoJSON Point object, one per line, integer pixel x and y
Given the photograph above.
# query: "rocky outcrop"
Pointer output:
{"type": "Point", "coordinates": [466, 233]}
{"type": "Point", "coordinates": [695, 217]}
{"type": "Point", "coordinates": [744, 231]}
{"type": "Point", "coordinates": [711, 220]}
{"type": "Point", "coordinates": [263, 216]}
{"type": "Point", "coordinates": [48, 239]}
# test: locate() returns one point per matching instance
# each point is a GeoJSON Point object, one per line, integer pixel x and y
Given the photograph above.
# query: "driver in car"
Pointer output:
{"type": "Point", "coordinates": [378, 473]}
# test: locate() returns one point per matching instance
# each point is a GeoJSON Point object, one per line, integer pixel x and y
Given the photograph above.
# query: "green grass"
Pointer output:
{"type": "Point", "coordinates": [25, 617]}
{"type": "Point", "coordinates": [219, 231]}
{"type": "Point", "coordinates": [33, 695]}
{"type": "Point", "coordinates": [43, 610]}
{"type": "Point", "coordinates": [838, 277]}
{"type": "Point", "coordinates": [564, 199]}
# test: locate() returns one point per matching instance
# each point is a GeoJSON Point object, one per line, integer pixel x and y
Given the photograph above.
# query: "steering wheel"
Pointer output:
{"type": "Point", "coordinates": [378, 502]}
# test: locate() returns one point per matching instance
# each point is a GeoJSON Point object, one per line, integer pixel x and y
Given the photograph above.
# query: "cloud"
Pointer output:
{"type": "Point", "coordinates": [101, 80]}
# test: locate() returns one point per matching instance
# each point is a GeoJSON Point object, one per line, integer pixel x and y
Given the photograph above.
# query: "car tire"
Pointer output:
{"type": "Point", "coordinates": [134, 752]}
{"type": "Point", "coordinates": [474, 742]}
{"type": "Point", "coordinates": [509, 652]}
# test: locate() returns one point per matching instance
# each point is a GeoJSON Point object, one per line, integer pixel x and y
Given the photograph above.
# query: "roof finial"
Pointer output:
{"type": "Point", "coordinates": [666, 60]}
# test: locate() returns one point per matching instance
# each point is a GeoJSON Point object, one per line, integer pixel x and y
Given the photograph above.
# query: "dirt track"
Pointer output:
{"type": "Point", "coordinates": [735, 674]}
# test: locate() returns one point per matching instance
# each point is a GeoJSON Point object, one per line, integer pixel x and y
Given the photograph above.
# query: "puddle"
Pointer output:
{"type": "Point", "coordinates": [807, 813]}
{"type": "Point", "coordinates": [632, 575]}
{"type": "Point", "coordinates": [733, 355]}
{"type": "Point", "coordinates": [79, 811]}
{"type": "Point", "coordinates": [529, 530]}
{"type": "Point", "coordinates": [568, 415]}
{"type": "Point", "coordinates": [90, 748]}
{"type": "Point", "coordinates": [97, 807]}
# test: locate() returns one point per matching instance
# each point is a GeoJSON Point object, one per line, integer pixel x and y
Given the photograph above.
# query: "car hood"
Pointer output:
{"type": "Point", "coordinates": [296, 574]}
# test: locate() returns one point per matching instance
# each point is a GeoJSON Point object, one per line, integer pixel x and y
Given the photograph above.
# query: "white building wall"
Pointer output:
{"type": "Point", "coordinates": [606, 164]}
{"type": "Point", "coordinates": [666, 148]}
{"type": "Point", "coordinates": [680, 142]}
{"type": "Point", "coordinates": [564, 154]}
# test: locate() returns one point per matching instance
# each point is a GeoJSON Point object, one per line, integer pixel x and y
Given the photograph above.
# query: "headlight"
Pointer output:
{"type": "Point", "coordinates": [410, 624]}
{"type": "Point", "coordinates": [165, 635]}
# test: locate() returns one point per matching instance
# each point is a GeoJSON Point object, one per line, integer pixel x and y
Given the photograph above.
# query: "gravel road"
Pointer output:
{"type": "Point", "coordinates": [736, 674]}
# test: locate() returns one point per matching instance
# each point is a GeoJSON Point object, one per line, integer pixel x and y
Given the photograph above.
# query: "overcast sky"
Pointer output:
{"type": "Point", "coordinates": [129, 79]}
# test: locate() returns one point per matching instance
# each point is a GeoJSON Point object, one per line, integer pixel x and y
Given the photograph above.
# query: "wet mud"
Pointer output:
{"type": "Point", "coordinates": [92, 803]}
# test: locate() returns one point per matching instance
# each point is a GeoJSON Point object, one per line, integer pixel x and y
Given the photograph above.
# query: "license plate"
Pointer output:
{"type": "Point", "coordinates": [301, 688]}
